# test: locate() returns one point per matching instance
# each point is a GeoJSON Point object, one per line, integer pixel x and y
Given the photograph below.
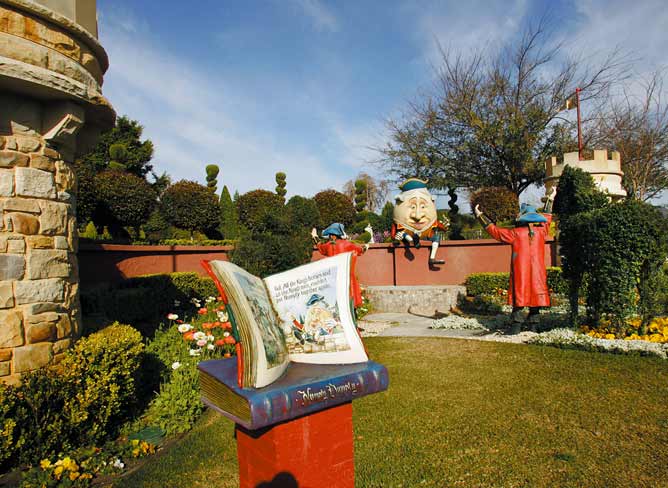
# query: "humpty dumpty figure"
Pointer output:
{"type": "Point", "coordinates": [415, 217]}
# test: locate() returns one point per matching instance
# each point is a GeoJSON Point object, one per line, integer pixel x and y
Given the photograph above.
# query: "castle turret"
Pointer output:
{"type": "Point", "coordinates": [607, 173]}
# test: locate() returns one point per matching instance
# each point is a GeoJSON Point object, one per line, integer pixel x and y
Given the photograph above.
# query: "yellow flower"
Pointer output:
{"type": "Point", "coordinates": [135, 442]}
{"type": "Point", "coordinates": [70, 464]}
{"type": "Point", "coordinates": [135, 452]}
{"type": "Point", "coordinates": [86, 476]}
{"type": "Point", "coordinates": [58, 471]}
{"type": "Point", "coordinates": [609, 336]}
{"type": "Point", "coordinates": [44, 464]}
{"type": "Point", "coordinates": [74, 475]}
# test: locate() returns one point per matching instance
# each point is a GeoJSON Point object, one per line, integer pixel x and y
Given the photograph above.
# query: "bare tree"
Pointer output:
{"type": "Point", "coordinates": [493, 117]}
{"type": "Point", "coordinates": [376, 191]}
{"type": "Point", "coordinates": [636, 125]}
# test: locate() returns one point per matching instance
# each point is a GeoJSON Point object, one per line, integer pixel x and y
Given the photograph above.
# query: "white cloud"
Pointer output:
{"type": "Point", "coordinates": [196, 118]}
{"type": "Point", "coordinates": [323, 19]}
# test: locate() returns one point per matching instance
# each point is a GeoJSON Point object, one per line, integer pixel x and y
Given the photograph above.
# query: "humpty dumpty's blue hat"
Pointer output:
{"type": "Point", "coordinates": [314, 299]}
{"type": "Point", "coordinates": [413, 184]}
{"type": "Point", "coordinates": [529, 215]}
{"type": "Point", "coordinates": [334, 229]}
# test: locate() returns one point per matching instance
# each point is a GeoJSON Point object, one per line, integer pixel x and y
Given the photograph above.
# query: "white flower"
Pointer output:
{"type": "Point", "coordinates": [210, 347]}
{"type": "Point", "coordinates": [210, 338]}
{"type": "Point", "coordinates": [176, 365]}
{"type": "Point", "coordinates": [199, 335]}
{"type": "Point", "coordinates": [118, 464]}
{"type": "Point", "coordinates": [184, 328]}
{"type": "Point", "coordinates": [222, 316]}
{"type": "Point", "coordinates": [202, 342]}
{"type": "Point", "coordinates": [195, 352]}
{"type": "Point", "coordinates": [210, 299]}
{"type": "Point", "coordinates": [225, 334]}
{"type": "Point", "coordinates": [172, 316]}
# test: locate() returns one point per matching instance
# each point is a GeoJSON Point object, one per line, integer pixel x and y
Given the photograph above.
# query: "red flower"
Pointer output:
{"type": "Point", "coordinates": [227, 355]}
{"type": "Point", "coordinates": [208, 325]}
{"type": "Point", "coordinates": [220, 342]}
{"type": "Point", "coordinates": [188, 336]}
{"type": "Point", "coordinates": [226, 325]}
{"type": "Point", "coordinates": [230, 340]}
{"type": "Point", "coordinates": [221, 308]}
{"type": "Point", "coordinates": [220, 299]}
{"type": "Point", "coordinates": [202, 311]}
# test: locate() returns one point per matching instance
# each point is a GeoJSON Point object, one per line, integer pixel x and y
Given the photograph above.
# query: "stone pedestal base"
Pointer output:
{"type": "Point", "coordinates": [313, 451]}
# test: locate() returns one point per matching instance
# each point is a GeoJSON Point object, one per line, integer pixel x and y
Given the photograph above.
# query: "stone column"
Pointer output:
{"type": "Point", "coordinates": [51, 111]}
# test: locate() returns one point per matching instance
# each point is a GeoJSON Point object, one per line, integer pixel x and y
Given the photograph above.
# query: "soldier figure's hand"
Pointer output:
{"type": "Point", "coordinates": [477, 211]}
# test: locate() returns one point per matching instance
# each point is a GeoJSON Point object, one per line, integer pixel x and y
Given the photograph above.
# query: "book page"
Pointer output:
{"type": "Point", "coordinates": [263, 341]}
{"type": "Point", "coordinates": [313, 303]}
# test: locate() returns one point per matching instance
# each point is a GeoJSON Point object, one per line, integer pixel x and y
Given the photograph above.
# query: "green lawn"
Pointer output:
{"type": "Point", "coordinates": [468, 413]}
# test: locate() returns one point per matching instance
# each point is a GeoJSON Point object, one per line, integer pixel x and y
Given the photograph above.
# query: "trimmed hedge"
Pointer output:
{"type": "Point", "coordinates": [488, 283]}
{"type": "Point", "coordinates": [84, 400]}
{"type": "Point", "coordinates": [145, 300]}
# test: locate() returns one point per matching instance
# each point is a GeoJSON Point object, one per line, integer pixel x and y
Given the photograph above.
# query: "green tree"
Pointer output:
{"type": "Point", "coordinates": [124, 200]}
{"type": "Point", "coordinates": [118, 154]}
{"type": "Point", "coordinates": [255, 206]}
{"type": "Point", "coordinates": [212, 171]}
{"type": "Point", "coordinates": [334, 207]}
{"type": "Point", "coordinates": [280, 185]}
{"type": "Point", "coordinates": [303, 212]}
{"type": "Point", "coordinates": [493, 117]}
{"type": "Point", "coordinates": [229, 220]}
{"type": "Point", "coordinates": [191, 206]}
{"type": "Point", "coordinates": [387, 217]}
{"type": "Point", "coordinates": [360, 195]}
{"type": "Point", "coordinates": [136, 156]}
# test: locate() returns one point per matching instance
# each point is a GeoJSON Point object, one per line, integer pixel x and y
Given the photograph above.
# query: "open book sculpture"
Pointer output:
{"type": "Point", "coordinates": [292, 328]}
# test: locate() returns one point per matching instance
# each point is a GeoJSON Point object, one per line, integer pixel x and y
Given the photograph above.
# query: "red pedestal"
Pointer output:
{"type": "Point", "coordinates": [314, 451]}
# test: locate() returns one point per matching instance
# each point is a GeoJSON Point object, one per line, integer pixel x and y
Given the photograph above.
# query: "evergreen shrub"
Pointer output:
{"type": "Point", "coordinates": [257, 208]}
{"type": "Point", "coordinates": [334, 206]}
{"type": "Point", "coordinates": [191, 206]}
{"type": "Point", "coordinates": [489, 283]}
{"type": "Point", "coordinates": [83, 400]}
{"type": "Point", "coordinates": [123, 199]}
{"type": "Point", "coordinates": [499, 204]}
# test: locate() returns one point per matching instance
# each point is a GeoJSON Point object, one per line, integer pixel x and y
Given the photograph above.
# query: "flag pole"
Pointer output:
{"type": "Point", "coordinates": [577, 104]}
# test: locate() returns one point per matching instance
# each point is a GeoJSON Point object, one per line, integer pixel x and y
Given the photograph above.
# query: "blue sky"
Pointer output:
{"type": "Point", "coordinates": [303, 86]}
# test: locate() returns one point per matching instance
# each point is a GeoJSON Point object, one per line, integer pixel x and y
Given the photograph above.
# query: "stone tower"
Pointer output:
{"type": "Point", "coordinates": [51, 110]}
{"type": "Point", "coordinates": [607, 173]}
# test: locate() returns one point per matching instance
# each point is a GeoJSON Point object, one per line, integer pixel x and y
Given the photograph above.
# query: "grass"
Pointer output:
{"type": "Point", "coordinates": [473, 414]}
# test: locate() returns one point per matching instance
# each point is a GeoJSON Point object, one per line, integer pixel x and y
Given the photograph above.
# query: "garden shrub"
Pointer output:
{"type": "Point", "coordinates": [229, 218]}
{"type": "Point", "coordinates": [624, 246]}
{"type": "Point", "coordinates": [191, 206]}
{"type": "Point", "coordinates": [212, 171]}
{"type": "Point", "coordinates": [303, 212]}
{"type": "Point", "coordinates": [280, 185]}
{"type": "Point", "coordinates": [334, 206]}
{"type": "Point", "coordinates": [499, 204]}
{"type": "Point", "coordinates": [135, 298]}
{"type": "Point", "coordinates": [257, 209]}
{"type": "Point", "coordinates": [82, 400]}
{"type": "Point", "coordinates": [123, 199]}
{"type": "Point", "coordinates": [489, 283]}
{"type": "Point", "coordinates": [363, 219]}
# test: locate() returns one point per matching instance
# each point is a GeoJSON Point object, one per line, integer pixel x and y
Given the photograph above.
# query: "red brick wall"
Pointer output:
{"type": "Point", "coordinates": [382, 264]}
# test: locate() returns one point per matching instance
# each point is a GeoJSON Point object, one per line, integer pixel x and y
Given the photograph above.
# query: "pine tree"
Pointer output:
{"type": "Point", "coordinates": [229, 219]}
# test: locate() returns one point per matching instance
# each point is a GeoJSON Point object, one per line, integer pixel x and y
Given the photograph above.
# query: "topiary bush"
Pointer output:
{"type": "Point", "coordinates": [280, 185]}
{"type": "Point", "coordinates": [191, 206]}
{"type": "Point", "coordinates": [499, 204]}
{"type": "Point", "coordinates": [334, 206]}
{"type": "Point", "coordinates": [123, 199]}
{"type": "Point", "coordinates": [81, 401]}
{"type": "Point", "coordinates": [229, 219]}
{"type": "Point", "coordinates": [212, 171]}
{"type": "Point", "coordinates": [257, 208]}
{"type": "Point", "coordinates": [623, 248]}
{"type": "Point", "coordinates": [303, 212]}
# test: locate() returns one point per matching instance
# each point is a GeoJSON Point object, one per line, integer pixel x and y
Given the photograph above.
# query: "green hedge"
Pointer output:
{"type": "Point", "coordinates": [84, 400]}
{"type": "Point", "coordinates": [144, 300]}
{"type": "Point", "coordinates": [488, 283]}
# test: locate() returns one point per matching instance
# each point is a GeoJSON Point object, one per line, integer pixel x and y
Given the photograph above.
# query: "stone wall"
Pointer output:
{"type": "Point", "coordinates": [38, 268]}
{"type": "Point", "coordinates": [51, 111]}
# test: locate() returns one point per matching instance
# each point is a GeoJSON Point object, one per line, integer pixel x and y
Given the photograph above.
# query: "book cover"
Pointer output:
{"type": "Point", "coordinates": [303, 389]}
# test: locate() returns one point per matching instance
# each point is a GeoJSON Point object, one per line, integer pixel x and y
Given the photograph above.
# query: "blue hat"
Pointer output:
{"type": "Point", "coordinates": [334, 229]}
{"type": "Point", "coordinates": [314, 299]}
{"type": "Point", "coordinates": [529, 215]}
{"type": "Point", "coordinates": [413, 184]}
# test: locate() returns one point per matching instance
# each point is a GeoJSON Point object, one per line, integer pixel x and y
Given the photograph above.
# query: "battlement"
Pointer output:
{"type": "Point", "coordinates": [607, 172]}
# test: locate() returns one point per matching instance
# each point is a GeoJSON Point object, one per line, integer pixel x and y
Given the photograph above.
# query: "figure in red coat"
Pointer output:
{"type": "Point", "coordinates": [338, 243]}
{"type": "Point", "coordinates": [528, 276]}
